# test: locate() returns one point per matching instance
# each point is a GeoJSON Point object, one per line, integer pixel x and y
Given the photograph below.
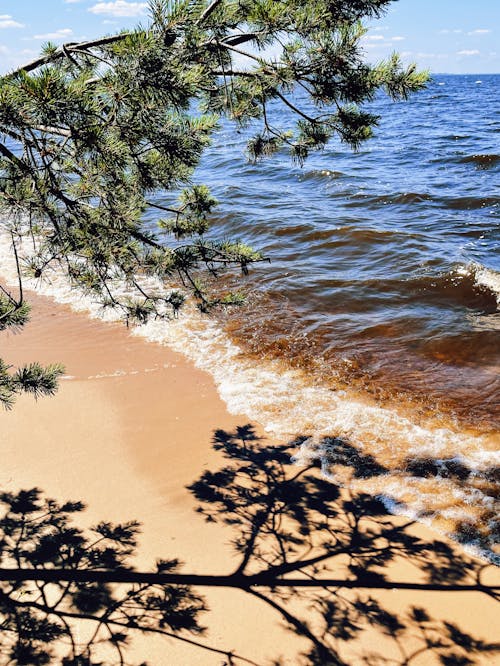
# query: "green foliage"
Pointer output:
{"type": "Point", "coordinates": [35, 379]}
{"type": "Point", "coordinates": [89, 131]}
{"type": "Point", "coordinates": [32, 378]}
{"type": "Point", "coordinates": [12, 314]}
{"type": "Point", "coordinates": [191, 218]}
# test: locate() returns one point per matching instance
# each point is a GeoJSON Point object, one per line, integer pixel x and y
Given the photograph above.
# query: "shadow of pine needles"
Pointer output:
{"type": "Point", "coordinates": [291, 525]}
{"type": "Point", "coordinates": [316, 555]}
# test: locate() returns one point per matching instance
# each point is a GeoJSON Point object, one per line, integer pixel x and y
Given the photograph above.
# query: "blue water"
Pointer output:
{"type": "Point", "coordinates": [384, 263]}
{"type": "Point", "coordinates": [382, 295]}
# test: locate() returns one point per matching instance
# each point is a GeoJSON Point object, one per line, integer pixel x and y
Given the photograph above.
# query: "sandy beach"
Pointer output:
{"type": "Point", "coordinates": [129, 429]}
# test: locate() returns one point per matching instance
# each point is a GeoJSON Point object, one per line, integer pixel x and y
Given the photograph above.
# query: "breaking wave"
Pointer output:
{"type": "Point", "coordinates": [373, 334]}
{"type": "Point", "coordinates": [481, 161]}
{"type": "Point", "coordinates": [409, 198]}
{"type": "Point", "coordinates": [358, 442]}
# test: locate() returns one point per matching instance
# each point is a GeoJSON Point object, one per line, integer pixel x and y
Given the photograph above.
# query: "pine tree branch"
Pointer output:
{"type": "Point", "coordinates": [165, 208]}
{"type": "Point", "coordinates": [60, 131]}
{"type": "Point", "coordinates": [146, 240]}
{"type": "Point", "coordinates": [235, 40]}
{"type": "Point", "coordinates": [294, 108]}
{"type": "Point", "coordinates": [234, 72]}
{"type": "Point", "coordinates": [15, 159]}
{"type": "Point", "coordinates": [64, 49]}
{"type": "Point", "coordinates": [208, 11]}
{"type": "Point", "coordinates": [228, 46]}
{"type": "Point", "coordinates": [18, 270]}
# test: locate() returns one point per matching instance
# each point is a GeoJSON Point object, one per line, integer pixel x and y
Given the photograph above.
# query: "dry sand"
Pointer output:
{"type": "Point", "coordinates": [130, 427]}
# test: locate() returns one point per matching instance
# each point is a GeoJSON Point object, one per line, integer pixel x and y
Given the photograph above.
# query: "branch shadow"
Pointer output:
{"type": "Point", "coordinates": [326, 561]}
{"type": "Point", "coordinates": [482, 532]}
{"type": "Point", "coordinates": [292, 528]}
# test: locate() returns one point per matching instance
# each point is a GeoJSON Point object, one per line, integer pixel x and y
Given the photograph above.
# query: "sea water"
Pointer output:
{"type": "Point", "coordinates": [374, 332]}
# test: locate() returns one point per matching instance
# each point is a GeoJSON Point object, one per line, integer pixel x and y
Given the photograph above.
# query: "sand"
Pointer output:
{"type": "Point", "coordinates": [129, 428]}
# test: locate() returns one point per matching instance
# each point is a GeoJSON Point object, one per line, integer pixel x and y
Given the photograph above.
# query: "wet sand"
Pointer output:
{"type": "Point", "coordinates": [130, 427]}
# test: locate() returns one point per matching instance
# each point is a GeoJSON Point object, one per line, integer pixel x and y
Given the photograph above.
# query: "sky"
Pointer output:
{"type": "Point", "coordinates": [445, 36]}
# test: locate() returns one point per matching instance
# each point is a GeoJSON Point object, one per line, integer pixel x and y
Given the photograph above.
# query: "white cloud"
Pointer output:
{"type": "Point", "coordinates": [373, 41]}
{"type": "Point", "coordinates": [6, 21]}
{"type": "Point", "coordinates": [479, 31]}
{"type": "Point", "coordinates": [468, 52]}
{"type": "Point", "coordinates": [398, 38]}
{"type": "Point", "coordinates": [71, 2]}
{"type": "Point", "coordinates": [439, 56]}
{"type": "Point", "coordinates": [446, 31]}
{"type": "Point", "coordinates": [119, 8]}
{"type": "Point", "coordinates": [12, 58]}
{"type": "Point", "coordinates": [58, 34]}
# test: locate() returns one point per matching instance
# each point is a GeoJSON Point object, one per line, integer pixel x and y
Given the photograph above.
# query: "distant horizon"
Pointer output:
{"type": "Point", "coordinates": [465, 73]}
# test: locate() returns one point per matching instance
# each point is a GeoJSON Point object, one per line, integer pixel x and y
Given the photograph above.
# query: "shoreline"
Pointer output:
{"type": "Point", "coordinates": [128, 430]}
{"type": "Point", "coordinates": [287, 401]}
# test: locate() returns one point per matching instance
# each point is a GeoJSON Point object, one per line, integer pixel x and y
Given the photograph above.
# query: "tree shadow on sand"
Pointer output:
{"type": "Point", "coordinates": [319, 557]}
{"type": "Point", "coordinates": [321, 553]}
{"type": "Point", "coordinates": [482, 531]}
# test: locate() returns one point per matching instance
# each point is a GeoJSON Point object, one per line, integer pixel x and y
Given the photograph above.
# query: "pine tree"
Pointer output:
{"type": "Point", "coordinates": [31, 378]}
{"type": "Point", "coordinates": [90, 131]}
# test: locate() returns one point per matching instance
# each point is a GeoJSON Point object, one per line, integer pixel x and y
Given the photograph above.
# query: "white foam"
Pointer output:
{"type": "Point", "coordinates": [488, 278]}
{"type": "Point", "coordinates": [281, 399]}
{"type": "Point", "coordinates": [126, 373]}
{"type": "Point", "coordinates": [287, 403]}
{"type": "Point", "coordinates": [483, 277]}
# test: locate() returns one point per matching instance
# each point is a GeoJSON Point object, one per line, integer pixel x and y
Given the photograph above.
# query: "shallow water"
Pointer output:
{"type": "Point", "coordinates": [385, 263]}
{"type": "Point", "coordinates": [384, 283]}
{"type": "Point", "coordinates": [374, 332]}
